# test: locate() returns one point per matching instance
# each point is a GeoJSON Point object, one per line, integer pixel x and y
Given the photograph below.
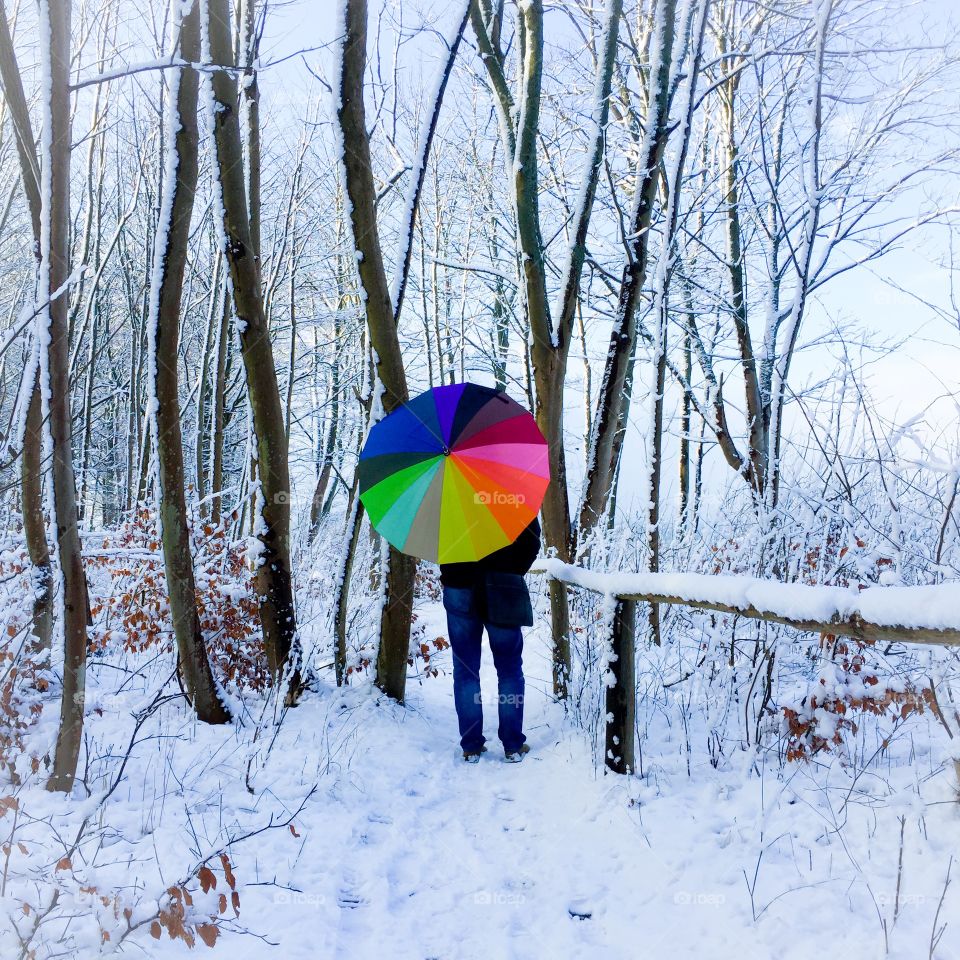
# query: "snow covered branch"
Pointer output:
{"type": "Point", "coordinates": [922, 614]}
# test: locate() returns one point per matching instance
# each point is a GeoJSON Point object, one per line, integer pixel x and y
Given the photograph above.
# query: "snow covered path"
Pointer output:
{"type": "Point", "coordinates": [406, 852]}
{"type": "Point", "coordinates": [398, 849]}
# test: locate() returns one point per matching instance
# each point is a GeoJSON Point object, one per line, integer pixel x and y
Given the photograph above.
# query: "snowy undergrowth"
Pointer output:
{"type": "Point", "coordinates": [350, 828]}
{"type": "Point", "coordinates": [398, 847]}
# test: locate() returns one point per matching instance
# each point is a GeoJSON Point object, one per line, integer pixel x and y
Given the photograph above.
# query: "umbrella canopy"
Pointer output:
{"type": "Point", "coordinates": [454, 474]}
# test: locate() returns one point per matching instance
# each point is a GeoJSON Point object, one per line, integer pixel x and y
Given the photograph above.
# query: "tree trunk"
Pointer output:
{"type": "Point", "coordinates": [203, 389]}
{"type": "Point", "coordinates": [674, 178]}
{"type": "Point", "coordinates": [547, 361]}
{"type": "Point", "coordinates": [757, 468]}
{"type": "Point", "coordinates": [656, 462]}
{"type": "Point", "coordinates": [330, 443]}
{"type": "Point", "coordinates": [217, 416]}
{"type": "Point", "coordinates": [54, 374]}
{"type": "Point", "coordinates": [610, 418]}
{"type": "Point", "coordinates": [685, 421]}
{"type": "Point", "coordinates": [420, 168]}
{"type": "Point", "coordinates": [274, 579]}
{"type": "Point", "coordinates": [173, 234]}
{"type": "Point", "coordinates": [350, 541]}
{"type": "Point", "coordinates": [250, 44]}
{"type": "Point", "coordinates": [31, 463]}
{"type": "Point", "coordinates": [392, 381]}
{"type": "Point", "coordinates": [621, 695]}
{"type": "Point", "coordinates": [550, 347]}
{"type": "Point", "coordinates": [292, 358]}
{"type": "Point", "coordinates": [34, 526]}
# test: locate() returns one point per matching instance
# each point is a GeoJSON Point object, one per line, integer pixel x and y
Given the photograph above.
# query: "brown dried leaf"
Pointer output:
{"type": "Point", "coordinates": [207, 878]}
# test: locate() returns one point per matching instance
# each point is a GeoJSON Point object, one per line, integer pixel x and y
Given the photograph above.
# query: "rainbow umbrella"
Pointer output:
{"type": "Point", "coordinates": [454, 474]}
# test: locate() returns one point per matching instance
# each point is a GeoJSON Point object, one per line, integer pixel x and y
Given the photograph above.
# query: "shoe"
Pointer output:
{"type": "Point", "coordinates": [516, 756]}
{"type": "Point", "coordinates": [473, 756]}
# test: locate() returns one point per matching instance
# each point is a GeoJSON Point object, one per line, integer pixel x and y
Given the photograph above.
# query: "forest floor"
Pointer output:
{"type": "Point", "coordinates": [385, 844]}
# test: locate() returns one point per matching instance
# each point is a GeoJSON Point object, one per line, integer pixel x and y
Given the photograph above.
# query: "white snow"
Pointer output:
{"type": "Point", "coordinates": [398, 849]}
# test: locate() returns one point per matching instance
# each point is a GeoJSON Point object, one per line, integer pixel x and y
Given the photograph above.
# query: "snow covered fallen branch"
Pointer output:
{"type": "Point", "coordinates": [923, 614]}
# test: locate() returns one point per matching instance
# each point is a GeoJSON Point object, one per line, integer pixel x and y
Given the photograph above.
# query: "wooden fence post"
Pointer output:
{"type": "Point", "coordinates": [621, 698]}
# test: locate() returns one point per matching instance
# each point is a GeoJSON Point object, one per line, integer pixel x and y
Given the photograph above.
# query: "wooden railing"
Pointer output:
{"type": "Point", "coordinates": [926, 615]}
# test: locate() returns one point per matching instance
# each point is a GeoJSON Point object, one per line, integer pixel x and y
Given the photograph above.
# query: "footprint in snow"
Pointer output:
{"type": "Point", "coordinates": [350, 900]}
{"type": "Point", "coordinates": [351, 893]}
{"type": "Point", "coordinates": [377, 827]}
{"type": "Point", "coordinates": [580, 908]}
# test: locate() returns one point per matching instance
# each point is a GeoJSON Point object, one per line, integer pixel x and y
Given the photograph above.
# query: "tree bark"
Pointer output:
{"type": "Point", "coordinates": [685, 421]}
{"type": "Point", "coordinates": [621, 695]}
{"type": "Point", "coordinates": [757, 466]}
{"type": "Point", "coordinates": [251, 95]}
{"type": "Point", "coordinates": [34, 525]}
{"type": "Point", "coordinates": [201, 447]}
{"type": "Point", "coordinates": [54, 374]}
{"type": "Point", "coordinates": [31, 463]}
{"type": "Point", "coordinates": [611, 411]}
{"type": "Point", "coordinates": [420, 168]}
{"type": "Point", "coordinates": [674, 179]}
{"type": "Point", "coordinates": [274, 578]}
{"type": "Point", "coordinates": [397, 609]}
{"type": "Point", "coordinates": [550, 345]}
{"type": "Point", "coordinates": [170, 260]}
{"type": "Point", "coordinates": [330, 442]}
{"type": "Point", "coordinates": [218, 414]}
{"type": "Point", "coordinates": [548, 362]}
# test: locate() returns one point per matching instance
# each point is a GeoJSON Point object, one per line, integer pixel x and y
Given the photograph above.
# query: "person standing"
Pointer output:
{"type": "Point", "coordinates": [490, 594]}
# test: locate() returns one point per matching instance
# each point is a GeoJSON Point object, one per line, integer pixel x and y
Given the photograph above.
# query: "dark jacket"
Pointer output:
{"type": "Point", "coordinates": [500, 594]}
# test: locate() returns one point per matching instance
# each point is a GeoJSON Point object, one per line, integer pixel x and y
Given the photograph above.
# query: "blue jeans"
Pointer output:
{"type": "Point", "coordinates": [506, 643]}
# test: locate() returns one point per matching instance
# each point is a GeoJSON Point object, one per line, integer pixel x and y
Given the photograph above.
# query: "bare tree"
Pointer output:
{"type": "Point", "coordinates": [54, 377]}
{"type": "Point", "coordinates": [550, 343]}
{"type": "Point", "coordinates": [178, 189]}
{"type": "Point", "coordinates": [31, 470]}
{"type": "Point", "coordinates": [274, 576]}
{"type": "Point", "coordinates": [382, 312]}
{"type": "Point", "coordinates": [612, 408]}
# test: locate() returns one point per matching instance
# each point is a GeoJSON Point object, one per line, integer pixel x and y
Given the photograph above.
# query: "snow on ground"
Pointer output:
{"type": "Point", "coordinates": [403, 851]}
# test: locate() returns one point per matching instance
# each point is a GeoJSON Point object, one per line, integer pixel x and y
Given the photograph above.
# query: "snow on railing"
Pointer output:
{"type": "Point", "coordinates": [924, 614]}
